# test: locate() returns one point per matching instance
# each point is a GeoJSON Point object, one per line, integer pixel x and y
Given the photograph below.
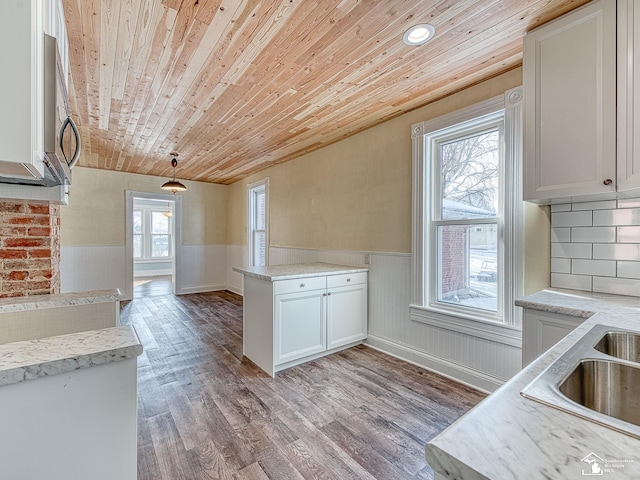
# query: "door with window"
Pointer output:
{"type": "Point", "coordinates": [258, 222]}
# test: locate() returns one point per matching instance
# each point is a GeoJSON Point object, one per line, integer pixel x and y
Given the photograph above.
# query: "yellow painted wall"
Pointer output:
{"type": "Point", "coordinates": [354, 194]}
{"type": "Point", "coordinates": [96, 211]}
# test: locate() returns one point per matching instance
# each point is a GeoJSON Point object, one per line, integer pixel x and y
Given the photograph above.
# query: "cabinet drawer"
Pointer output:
{"type": "Point", "coordinates": [299, 285]}
{"type": "Point", "coordinates": [346, 279]}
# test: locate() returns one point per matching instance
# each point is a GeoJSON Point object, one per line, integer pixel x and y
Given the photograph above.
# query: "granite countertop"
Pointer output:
{"type": "Point", "coordinates": [508, 436]}
{"type": "Point", "coordinates": [35, 302]}
{"type": "Point", "coordinates": [296, 270]}
{"type": "Point", "coordinates": [31, 359]}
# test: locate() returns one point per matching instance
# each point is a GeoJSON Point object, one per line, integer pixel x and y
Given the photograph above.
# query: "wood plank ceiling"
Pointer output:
{"type": "Point", "coordinates": [238, 85]}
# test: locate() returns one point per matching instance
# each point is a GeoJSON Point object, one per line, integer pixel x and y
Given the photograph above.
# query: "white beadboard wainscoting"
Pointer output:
{"type": "Point", "coordinates": [595, 246]}
{"type": "Point", "coordinates": [92, 267]}
{"type": "Point", "coordinates": [479, 360]}
{"type": "Point", "coordinates": [202, 268]}
{"type": "Point", "coordinates": [237, 256]}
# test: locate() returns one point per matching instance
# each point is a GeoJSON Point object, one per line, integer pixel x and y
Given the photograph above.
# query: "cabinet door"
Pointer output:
{"type": "Point", "coordinates": [542, 330]}
{"type": "Point", "coordinates": [628, 95]}
{"type": "Point", "coordinates": [300, 325]}
{"type": "Point", "coordinates": [21, 126]}
{"type": "Point", "coordinates": [346, 315]}
{"type": "Point", "coordinates": [570, 105]}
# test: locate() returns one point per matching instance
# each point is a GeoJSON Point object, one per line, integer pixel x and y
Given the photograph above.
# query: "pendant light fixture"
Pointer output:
{"type": "Point", "coordinates": [174, 185]}
{"type": "Point", "coordinates": [168, 212]}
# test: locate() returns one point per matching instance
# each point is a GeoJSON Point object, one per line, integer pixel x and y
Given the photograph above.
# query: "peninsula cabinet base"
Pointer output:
{"type": "Point", "coordinates": [290, 321]}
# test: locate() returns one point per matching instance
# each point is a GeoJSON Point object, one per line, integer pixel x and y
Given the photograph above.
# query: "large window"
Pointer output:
{"type": "Point", "coordinates": [152, 233]}
{"type": "Point", "coordinates": [467, 210]}
{"type": "Point", "coordinates": [258, 212]}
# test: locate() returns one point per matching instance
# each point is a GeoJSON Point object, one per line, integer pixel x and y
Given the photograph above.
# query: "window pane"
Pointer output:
{"type": "Point", "coordinates": [160, 246]}
{"type": "Point", "coordinates": [467, 265]}
{"type": "Point", "coordinates": [159, 223]}
{"type": "Point", "coordinates": [469, 171]}
{"type": "Point", "coordinates": [137, 246]}
{"type": "Point", "coordinates": [260, 248]}
{"type": "Point", "coordinates": [260, 210]}
{"type": "Point", "coordinates": [137, 221]}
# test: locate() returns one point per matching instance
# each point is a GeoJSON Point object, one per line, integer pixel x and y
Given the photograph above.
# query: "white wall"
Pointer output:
{"type": "Point", "coordinates": [98, 267]}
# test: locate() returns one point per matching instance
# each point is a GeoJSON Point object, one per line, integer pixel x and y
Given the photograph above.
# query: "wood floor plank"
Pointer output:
{"type": "Point", "coordinates": [206, 412]}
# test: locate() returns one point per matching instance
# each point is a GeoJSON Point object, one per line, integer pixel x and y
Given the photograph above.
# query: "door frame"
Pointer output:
{"type": "Point", "coordinates": [176, 276]}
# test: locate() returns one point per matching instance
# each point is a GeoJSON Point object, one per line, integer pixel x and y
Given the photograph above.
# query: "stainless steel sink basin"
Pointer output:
{"type": "Point", "coordinates": [624, 345]}
{"type": "Point", "coordinates": [607, 387]}
{"type": "Point", "coordinates": [597, 379]}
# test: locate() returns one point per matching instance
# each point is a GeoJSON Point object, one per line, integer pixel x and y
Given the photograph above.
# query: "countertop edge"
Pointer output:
{"type": "Point", "coordinates": [272, 273]}
{"type": "Point", "coordinates": [37, 302]}
{"type": "Point", "coordinates": [32, 359]}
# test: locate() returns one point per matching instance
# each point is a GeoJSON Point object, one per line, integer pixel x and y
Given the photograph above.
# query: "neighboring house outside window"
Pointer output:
{"type": "Point", "coordinates": [467, 215]}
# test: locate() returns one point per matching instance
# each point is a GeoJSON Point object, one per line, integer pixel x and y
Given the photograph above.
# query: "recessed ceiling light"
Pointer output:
{"type": "Point", "coordinates": [418, 34]}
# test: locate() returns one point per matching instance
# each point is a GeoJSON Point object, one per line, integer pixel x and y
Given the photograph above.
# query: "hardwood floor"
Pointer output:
{"type": "Point", "coordinates": [207, 413]}
{"type": "Point", "coordinates": [152, 286]}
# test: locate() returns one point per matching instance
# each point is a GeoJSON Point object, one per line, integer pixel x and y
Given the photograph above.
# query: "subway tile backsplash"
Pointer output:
{"type": "Point", "coordinates": [595, 246]}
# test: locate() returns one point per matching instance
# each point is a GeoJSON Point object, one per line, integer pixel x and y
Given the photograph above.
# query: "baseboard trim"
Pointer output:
{"type": "Point", "coordinates": [237, 291]}
{"type": "Point", "coordinates": [441, 366]}
{"type": "Point", "coordinates": [202, 289]}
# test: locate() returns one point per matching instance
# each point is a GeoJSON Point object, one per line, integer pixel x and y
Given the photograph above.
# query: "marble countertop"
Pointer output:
{"type": "Point", "coordinates": [296, 270]}
{"type": "Point", "coordinates": [31, 359]}
{"type": "Point", "coordinates": [577, 303]}
{"type": "Point", "coordinates": [508, 436]}
{"type": "Point", "coordinates": [35, 302]}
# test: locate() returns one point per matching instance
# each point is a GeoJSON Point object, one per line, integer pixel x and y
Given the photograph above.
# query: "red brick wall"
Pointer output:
{"type": "Point", "coordinates": [29, 248]}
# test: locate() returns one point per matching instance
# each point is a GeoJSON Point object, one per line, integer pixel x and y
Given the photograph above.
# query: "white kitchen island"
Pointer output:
{"type": "Point", "coordinates": [299, 312]}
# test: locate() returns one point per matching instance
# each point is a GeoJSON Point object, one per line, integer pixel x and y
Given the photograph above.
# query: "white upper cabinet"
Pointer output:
{"type": "Point", "coordinates": [22, 28]}
{"type": "Point", "coordinates": [628, 97]}
{"type": "Point", "coordinates": [570, 105]}
{"type": "Point", "coordinates": [21, 125]}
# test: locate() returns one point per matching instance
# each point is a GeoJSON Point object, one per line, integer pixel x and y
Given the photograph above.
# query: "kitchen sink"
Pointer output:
{"type": "Point", "coordinates": [607, 387]}
{"type": "Point", "coordinates": [624, 345]}
{"type": "Point", "coordinates": [597, 379]}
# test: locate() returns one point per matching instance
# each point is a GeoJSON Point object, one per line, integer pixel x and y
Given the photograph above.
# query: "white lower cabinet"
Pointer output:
{"type": "Point", "coordinates": [542, 330]}
{"type": "Point", "coordinates": [300, 328]}
{"type": "Point", "coordinates": [288, 322]}
{"type": "Point", "coordinates": [346, 315]}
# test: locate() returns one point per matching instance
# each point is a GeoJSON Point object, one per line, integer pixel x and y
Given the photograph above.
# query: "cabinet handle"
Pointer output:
{"type": "Point", "coordinates": [608, 181]}
{"type": "Point", "coordinates": [348, 279]}
{"type": "Point", "coordinates": [329, 293]}
{"type": "Point", "coordinates": [302, 285]}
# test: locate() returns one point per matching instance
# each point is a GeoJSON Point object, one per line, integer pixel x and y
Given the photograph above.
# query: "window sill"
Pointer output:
{"type": "Point", "coordinates": [153, 260]}
{"type": "Point", "coordinates": [475, 327]}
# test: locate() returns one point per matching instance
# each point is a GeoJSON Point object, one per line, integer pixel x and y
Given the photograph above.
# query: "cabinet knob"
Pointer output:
{"type": "Point", "coordinates": [302, 285]}
{"type": "Point", "coordinates": [348, 279]}
{"type": "Point", "coordinates": [608, 181]}
{"type": "Point", "coordinates": [329, 293]}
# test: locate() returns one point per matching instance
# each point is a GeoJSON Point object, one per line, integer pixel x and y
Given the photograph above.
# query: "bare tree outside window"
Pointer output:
{"type": "Point", "coordinates": [469, 189]}
{"type": "Point", "coordinates": [469, 172]}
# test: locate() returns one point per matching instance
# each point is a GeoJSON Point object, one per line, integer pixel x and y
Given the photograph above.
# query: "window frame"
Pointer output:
{"type": "Point", "coordinates": [147, 235]}
{"type": "Point", "coordinates": [507, 328]}
{"type": "Point", "coordinates": [252, 189]}
{"type": "Point", "coordinates": [478, 125]}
